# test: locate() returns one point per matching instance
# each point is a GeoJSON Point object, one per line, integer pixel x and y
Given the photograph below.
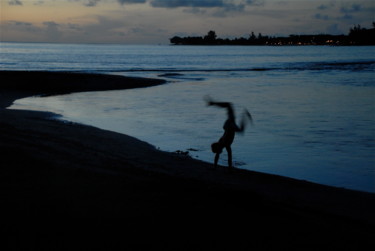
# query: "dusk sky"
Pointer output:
{"type": "Point", "coordinates": [155, 21]}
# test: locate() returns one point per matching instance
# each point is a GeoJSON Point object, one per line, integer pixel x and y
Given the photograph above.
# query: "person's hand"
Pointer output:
{"type": "Point", "coordinates": [208, 100]}
{"type": "Point", "coordinates": [247, 113]}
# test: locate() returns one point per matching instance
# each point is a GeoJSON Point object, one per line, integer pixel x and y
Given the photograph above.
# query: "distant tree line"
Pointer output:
{"type": "Point", "coordinates": [357, 36]}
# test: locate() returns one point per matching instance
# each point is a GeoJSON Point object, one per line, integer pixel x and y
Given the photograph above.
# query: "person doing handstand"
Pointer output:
{"type": "Point", "coordinates": [230, 128]}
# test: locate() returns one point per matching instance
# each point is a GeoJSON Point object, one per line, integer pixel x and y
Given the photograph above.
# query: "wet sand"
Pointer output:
{"type": "Point", "coordinates": [66, 185]}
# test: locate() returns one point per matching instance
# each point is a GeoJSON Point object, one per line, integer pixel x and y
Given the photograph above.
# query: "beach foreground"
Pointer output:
{"type": "Point", "coordinates": [67, 185]}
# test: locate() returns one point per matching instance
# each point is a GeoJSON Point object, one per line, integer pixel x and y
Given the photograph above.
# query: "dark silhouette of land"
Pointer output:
{"type": "Point", "coordinates": [357, 36]}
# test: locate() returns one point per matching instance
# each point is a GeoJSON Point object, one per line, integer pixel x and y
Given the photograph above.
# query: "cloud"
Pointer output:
{"type": "Point", "coordinates": [40, 2]}
{"type": "Point", "coordinates": [15, 2]}
{"type": "Point", "coordinates": [322, 7]}
{"type": "Point", "coordinates": [218, 8]}
{"type": "Point", "coordinates": [226, 4]}
{"type": "Point", "coordinates": [19, 23]}
{"type": "Point", "coordinates": [321, 16]}
{"type": "Point", "coordinates": [229, 9]}
{"type": "Point", "coordinates": [74, 27]}
{"type": "Point", "coordinates": [122, 2]}
{"type": "Point", "coordinates": [187, 3]}
{"type": "Point", "coordinates": [255, 2]}
{"type": "Point", "coordinates": [14, 30]}
{"type": "Point", "coordinates": [91, 3]}
{"type": "Point", "coordinates": [51, 24]}
{"type": "Point", "coordinates": [20, 26]}
{"type": "Point", "coordinates": [351, 9]}
{"type": "Point", "coordinates": [87, 3]}
{"type": "Point", "coordinates": [195, 11]}
{"type": "Point", "coordinates": [326, 6]}
{"type": "Point", "coordinates": [52, 31]}
{"type": "Point", "coordinates": [356, 13]}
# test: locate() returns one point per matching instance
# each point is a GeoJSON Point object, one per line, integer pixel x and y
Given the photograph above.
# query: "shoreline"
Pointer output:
{"type": "Point", "coordinates": [56, 169]}
{"type": "Point", "coordinates": [19, 84]}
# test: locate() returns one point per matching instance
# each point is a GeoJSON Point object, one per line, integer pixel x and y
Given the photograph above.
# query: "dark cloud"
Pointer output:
{"type": "Point", "coordinates": [19, 23]}
{"type": "Point", "coordinates": [229, 9]}
{"type": "Point", "coordinates": [51, 24]}
{"type": "Point", "coordinates": [344, 13]}
{"type": "Point", "coordinates": [326, 6]}
{"type": "Point", "coordinates": [19, 26]}
{"type": "Point", "coordinates": [323, 7]}
{"type": "Point", "coordinates": [52, 32]}
{"type": "Point", "coordinates": [226, 4]}
{"type": "Point", "coordinates": [91, 3]}
{"type": "Point", "coordinates": [75, 27]}
{"type": "Point", "coordinates": [131, 1]}
{"type": "Point", "coordinates": [52, 27]}
{"type": "Point", "coordinates": [346, 17]}
{"type": "Point", "coordinates": [88, 3]}
{"type": "Point", "coordinates": [321, 16]}
{"type": "Point", "coordinates": [14, 2]}
{"type": "Point", "coordinates": [255, 2]}
{"type": "Point", "coordinates": [354, 13]}
{"type": "Point", "coordinates": [221, 8]}
{"type": "Point", "coordinates": [351, 9]}
{"type": "Point", "coordinates": [187, 3]}
{"type": "Point", "coordinates": [39, 2]}
{"type": "Point", "coordinates": [196, 11]}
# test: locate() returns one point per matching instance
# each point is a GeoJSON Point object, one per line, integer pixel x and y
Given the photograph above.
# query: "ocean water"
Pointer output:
{"type": "Point", "coordinates": [313, 107]}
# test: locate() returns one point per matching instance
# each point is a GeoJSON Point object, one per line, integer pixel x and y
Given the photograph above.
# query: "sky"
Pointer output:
{"type": "Point", "coordinates": [155, 21]}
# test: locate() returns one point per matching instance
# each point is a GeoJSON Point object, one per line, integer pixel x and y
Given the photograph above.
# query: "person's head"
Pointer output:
{"type": "Point", "coordinates": [217, 147]}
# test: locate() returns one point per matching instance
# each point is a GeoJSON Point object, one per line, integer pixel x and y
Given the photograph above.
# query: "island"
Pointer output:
{"type": "Point", "coordinates": [356, 36]}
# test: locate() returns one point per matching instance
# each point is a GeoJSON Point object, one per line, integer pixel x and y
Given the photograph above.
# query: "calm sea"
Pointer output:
{"type": "Point", "coordinates": [313, 107]}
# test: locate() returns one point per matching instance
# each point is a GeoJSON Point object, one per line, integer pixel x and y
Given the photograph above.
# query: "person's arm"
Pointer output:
{"type": "Point", "coordinates": [220, 104]}
{"type": "Point", "coordinates": [226, 105]}
{"type": "Point", "coordinates": [242, 126]}
{"type": "Point", "coordinates": [246, 115]}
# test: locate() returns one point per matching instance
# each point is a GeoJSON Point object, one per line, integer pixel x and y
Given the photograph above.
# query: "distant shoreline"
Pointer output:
{"type": "Point", "coordinates": [357, 36]}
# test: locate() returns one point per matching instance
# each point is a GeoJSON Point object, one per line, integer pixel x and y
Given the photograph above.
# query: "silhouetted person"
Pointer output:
{"type": "Point", "coordinates": [230, 128]}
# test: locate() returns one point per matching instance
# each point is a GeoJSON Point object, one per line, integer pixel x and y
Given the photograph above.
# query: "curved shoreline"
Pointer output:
{"type": "Point", "coordinates": [56, 169]}
{"type": "Point", "coordinates": [19, 84]}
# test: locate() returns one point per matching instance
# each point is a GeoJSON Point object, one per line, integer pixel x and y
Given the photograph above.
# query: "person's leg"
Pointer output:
{"type": "Point", "coordinates": [216, 159]}
{"type": "Point", "coordinates": [229, 150]}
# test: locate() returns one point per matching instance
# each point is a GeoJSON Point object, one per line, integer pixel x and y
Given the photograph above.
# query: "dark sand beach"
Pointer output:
{"type": "Point", "coordinates": [69, 186]}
